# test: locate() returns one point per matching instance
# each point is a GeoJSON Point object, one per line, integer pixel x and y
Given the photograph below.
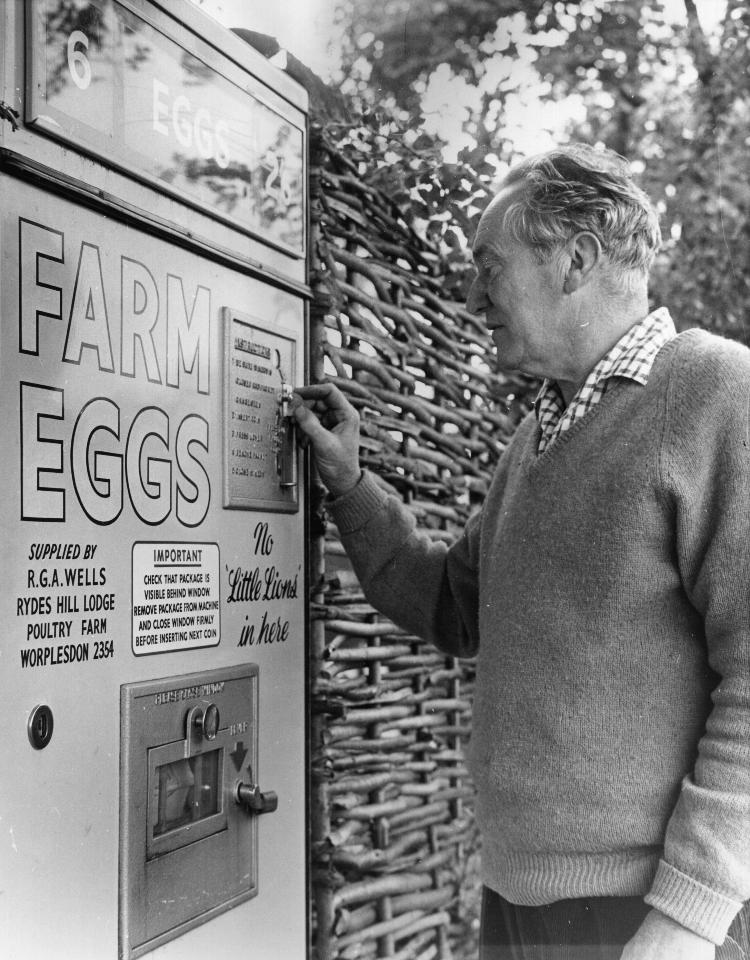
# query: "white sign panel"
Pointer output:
{"type": "Point", "coordinates": [175, 596]}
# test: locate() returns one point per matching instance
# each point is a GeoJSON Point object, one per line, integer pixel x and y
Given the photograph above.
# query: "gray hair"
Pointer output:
{"type": "Point", "coordinates": [577, 188]}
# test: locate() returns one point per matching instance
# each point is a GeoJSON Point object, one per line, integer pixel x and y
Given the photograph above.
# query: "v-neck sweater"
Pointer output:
{"type": "Point", "coordinates": [603, 588]}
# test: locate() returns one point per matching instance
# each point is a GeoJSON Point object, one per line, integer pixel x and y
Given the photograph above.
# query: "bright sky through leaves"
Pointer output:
{"type": "Point", "coordinates": [306, 29]}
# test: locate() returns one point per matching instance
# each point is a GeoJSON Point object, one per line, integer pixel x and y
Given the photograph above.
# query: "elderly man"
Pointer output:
{"type": "Point", "coordinates": [604, 586]}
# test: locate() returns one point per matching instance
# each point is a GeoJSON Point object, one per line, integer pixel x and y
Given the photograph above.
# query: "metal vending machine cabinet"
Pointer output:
{"type": "Point", "coordinates": [153, 298]}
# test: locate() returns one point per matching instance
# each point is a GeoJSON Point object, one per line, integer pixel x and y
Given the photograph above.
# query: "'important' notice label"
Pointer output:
{"type": "Point", "coordinates": [175, 596]}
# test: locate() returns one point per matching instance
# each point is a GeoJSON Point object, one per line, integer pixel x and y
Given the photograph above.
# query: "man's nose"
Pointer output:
{"type": "Point", "coordinates": [476, 300]}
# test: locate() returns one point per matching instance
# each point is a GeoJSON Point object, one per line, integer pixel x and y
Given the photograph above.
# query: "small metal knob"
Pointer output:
{"type": "Point", "coordinates": [249, 796]}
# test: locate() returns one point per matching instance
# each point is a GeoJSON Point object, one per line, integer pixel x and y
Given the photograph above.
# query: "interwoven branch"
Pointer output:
{"type": "Point", "coordinates": [395, 846]}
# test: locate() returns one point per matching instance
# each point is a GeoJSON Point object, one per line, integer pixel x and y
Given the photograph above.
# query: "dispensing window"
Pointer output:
{"type": "Point", "coordinates": [187, 791]}
{"type": "Point", "coordinates": [185, 797]}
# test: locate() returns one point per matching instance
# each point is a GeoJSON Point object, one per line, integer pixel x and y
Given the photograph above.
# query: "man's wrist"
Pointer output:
{"type": "Point", "coordinates": [344, 485]}
{"type": "Point", "coordinates": [692, 904]}
{"type": "Point", "coordinates": [667, 923]}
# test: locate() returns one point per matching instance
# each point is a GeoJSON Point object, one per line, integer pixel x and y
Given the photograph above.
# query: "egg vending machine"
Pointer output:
{"type": "Point", "coordinates": [153, 302]}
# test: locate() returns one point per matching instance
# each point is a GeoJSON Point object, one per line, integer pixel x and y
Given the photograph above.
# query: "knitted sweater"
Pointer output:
{"type": "Point", "coordinates": [604, 589]}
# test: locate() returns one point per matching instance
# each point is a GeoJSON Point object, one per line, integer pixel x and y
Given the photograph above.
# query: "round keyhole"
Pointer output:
{"type": "Point", "coordinates": [40, 726]}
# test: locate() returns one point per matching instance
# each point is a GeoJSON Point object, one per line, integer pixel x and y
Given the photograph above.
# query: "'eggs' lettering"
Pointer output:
{"type": "Point", "coordinates": [161, 472]}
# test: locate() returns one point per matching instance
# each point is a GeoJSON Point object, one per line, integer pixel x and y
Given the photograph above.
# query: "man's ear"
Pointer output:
{"type": "Point", "coordinates": [585, 252]}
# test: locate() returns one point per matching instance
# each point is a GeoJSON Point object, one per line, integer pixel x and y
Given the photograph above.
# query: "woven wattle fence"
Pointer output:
{"type": "Point", "coordinates": [394, 843]}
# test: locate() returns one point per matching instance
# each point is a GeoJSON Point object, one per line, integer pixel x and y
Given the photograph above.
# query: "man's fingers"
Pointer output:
{"type": "Point", "coordinates": [307, 421]}
{"type": "Point", "coordinates": [322, 405]}
{"type": "Point", "coordinates": [331, 424]}
{"type": "Point", "coordinates": [330, 397]}
{"type": "Point", "coordinates": [317, 390]}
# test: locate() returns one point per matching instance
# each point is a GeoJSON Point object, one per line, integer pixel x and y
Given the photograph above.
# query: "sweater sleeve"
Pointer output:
{"type": "Point", "coordinates": [425, 587]}
{"type": "Point", "coordinates": [704, 875]}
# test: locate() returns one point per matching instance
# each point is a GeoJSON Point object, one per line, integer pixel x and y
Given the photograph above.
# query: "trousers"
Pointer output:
{"type": "Point", "coordinates": [591, 928]}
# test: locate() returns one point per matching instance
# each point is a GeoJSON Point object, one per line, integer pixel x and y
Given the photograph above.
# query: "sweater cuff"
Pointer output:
{"type": "Point", "coordinates": [353, 509]}
{"type": "Point", "coordinates": [692, 904]}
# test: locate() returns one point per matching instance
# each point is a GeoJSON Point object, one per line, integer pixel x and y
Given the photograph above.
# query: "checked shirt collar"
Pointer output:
{"type": "Point", "coordinates": [631, 357]}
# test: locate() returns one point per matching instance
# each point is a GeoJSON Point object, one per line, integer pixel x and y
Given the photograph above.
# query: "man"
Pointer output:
{"type": "Point", "coordinates": [603, 586]}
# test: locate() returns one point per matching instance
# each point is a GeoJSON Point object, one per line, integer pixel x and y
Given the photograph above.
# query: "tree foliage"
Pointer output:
{"type": "Point", "coordinates": [670, 96]}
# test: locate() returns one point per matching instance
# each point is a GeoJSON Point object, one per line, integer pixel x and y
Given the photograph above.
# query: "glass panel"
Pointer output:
{"type": "Point", "coordinates": [207, 137]}
{"type": "Point", "coordinates": [166, 113]}
{"type": "Point", "coordinates": [80, 63]}
{"type": "Point", "coordinates": [187, 791]}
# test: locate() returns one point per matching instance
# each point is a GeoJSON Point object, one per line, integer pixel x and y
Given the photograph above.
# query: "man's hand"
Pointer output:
{"type": "Point", "coordinates": [661, 938]}
{"type": "Point", "coordinates": [331, 424]}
